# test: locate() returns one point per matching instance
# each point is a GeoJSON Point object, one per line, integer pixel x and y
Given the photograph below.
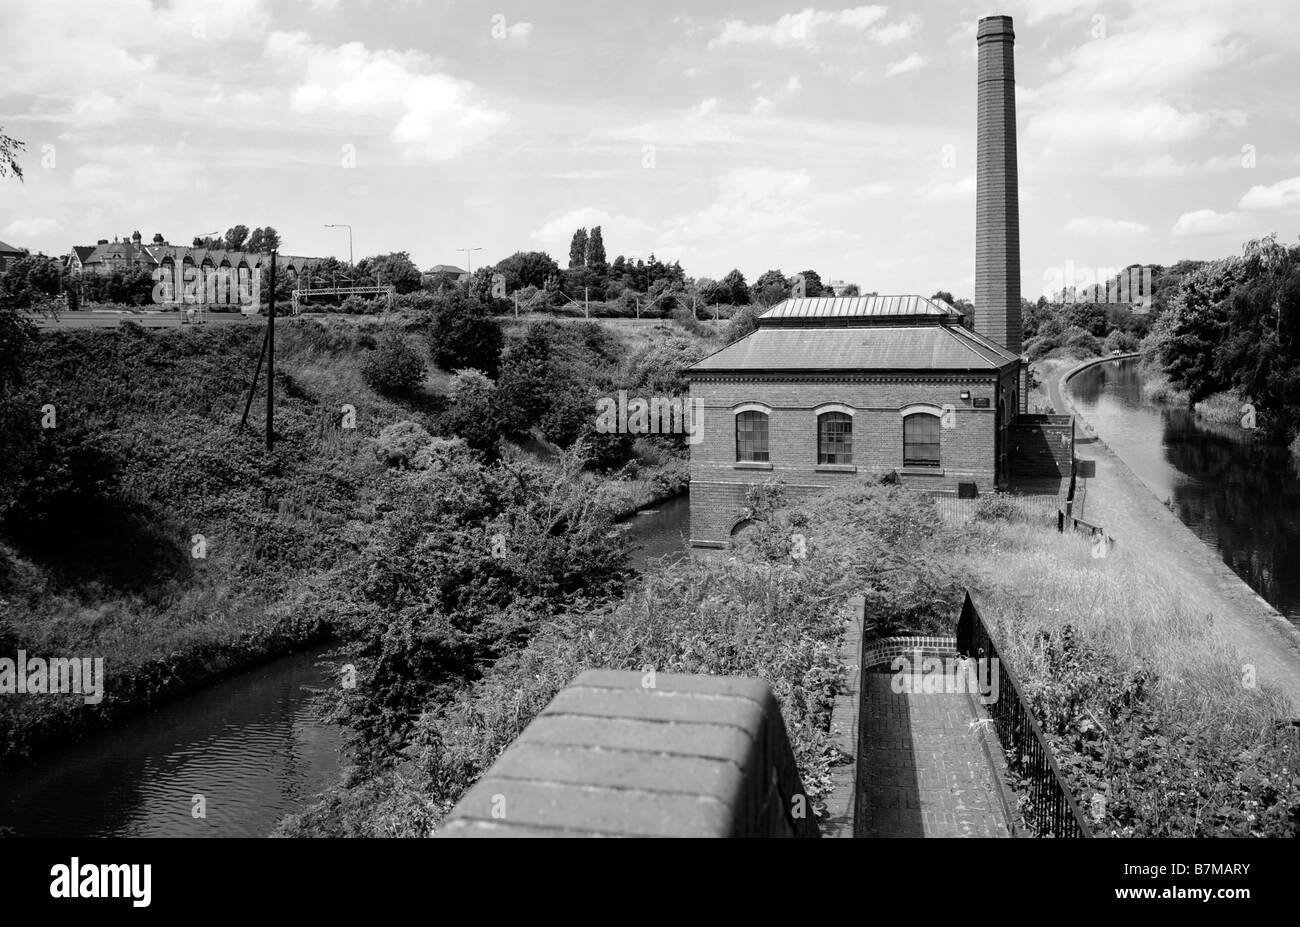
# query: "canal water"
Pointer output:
{"type": "Point", "coordinates": [1238, 494]}
{"type": "Point", "coordinates": [252, 746]}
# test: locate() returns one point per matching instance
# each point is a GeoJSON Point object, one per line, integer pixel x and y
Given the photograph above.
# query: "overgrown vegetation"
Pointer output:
{"type": "Point", "coordinates": [142, 462]}
{"type": "Point", "coordinates": [1232, 327]}
{"type": "Point", "coordinates": [1141, 697]}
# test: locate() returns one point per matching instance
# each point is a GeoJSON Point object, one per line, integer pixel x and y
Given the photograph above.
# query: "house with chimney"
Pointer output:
{"type": "Point", "coordinates": [830, 389]}
{"type": "Point", "coordinates": [202, 276]}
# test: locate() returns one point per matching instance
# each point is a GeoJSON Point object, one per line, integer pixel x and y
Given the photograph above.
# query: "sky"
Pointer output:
{"type": "Point", "coordinates": [758, 135]}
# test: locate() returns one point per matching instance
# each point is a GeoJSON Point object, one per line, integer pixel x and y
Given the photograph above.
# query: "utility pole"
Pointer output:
{"type": "Point", "coordinates": [270, 363]}
{"type": "Point", "coordinates": [586, 302]}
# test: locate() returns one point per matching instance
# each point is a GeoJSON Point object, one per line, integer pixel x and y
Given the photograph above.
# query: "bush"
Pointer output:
{"type": "Point", "coordinates": [420, 302]}
{"type": "Point", "coordinates": [1124, 342]}
{"type": "Point", "coordinates": [997, 507]}
{"type": "Point", "coordinates": [472, 413]}
{"type": "Point", "coordinates": [464, 335]}
{"type": "Point", "coordinates": [394, 367]}
{"type": "Point", "coordinates": [742, 322]}
{"type": "Point", "coordinates": [401, 443]}
{"type": "Point", "coordinates": [686, 319]}
{"type": "Point", "coordinates": [1082, 342]}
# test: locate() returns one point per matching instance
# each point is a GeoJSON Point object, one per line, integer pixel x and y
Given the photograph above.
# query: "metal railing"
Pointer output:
{"type": "Point", "coordinates": [1051, 809]}
{"type": "Point", "coordinates": [1032, 507]}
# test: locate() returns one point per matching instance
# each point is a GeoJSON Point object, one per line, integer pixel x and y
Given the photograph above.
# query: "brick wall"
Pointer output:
{"type": "Point", "coordinates": [1042, 445]}
{"type": "Point", "coordinates": [719, 484]}
{"type": "Point", "coordinates": [997, 203]}
{"type": "Point", "coordinates": [688, 756]}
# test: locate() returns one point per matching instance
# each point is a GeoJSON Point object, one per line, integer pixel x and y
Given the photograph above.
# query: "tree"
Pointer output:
{"type": "Point", "coordinates": [528, 268]}
{"type": "Point", "coordinates": [465, 335]}
{"type": "Point", "coordinates": [812, 283]}
{"type": "Point", "coordinates": [263, 241]}
{"type": "Point", "coordinates": [578, 249]}
{"type": "Point", "coordinates": [30, 279]}
{"type": "Point", "coordinates": [396, 268]}
{"type": "Point", "coordinates": [595, 254]}
{"type": "Point", "coordinates": [158, 238]}
{"type": "Point", "coordinates": [393, 367]}
{"type": "Point", "coordinates": [472, 411]}
{"type": "Point", "coordinates": [9, 148]}
{"type": "Point", "coordinates": [235, 238]}
{"type": "Point", "coordinates": [738, 288]}
{"type": "Point", "coordinates": [852, 290]}
{"type": "Point", "coordinates": [771, 288]}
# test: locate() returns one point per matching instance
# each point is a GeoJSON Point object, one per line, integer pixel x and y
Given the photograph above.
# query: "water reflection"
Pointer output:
{"type": "Point", "coordinates": [252, 746]}
{"type": "Point", "coordinates": [1238, 494]}
{"type": "Point", "coordinates": [662, 531]}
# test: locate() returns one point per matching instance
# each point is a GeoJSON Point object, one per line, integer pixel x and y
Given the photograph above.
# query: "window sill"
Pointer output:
{"type": "Point", "coordinates": [752, 465]}
{"type": "Point", "coordinates": [921, 471]}
{"type": "Point", "coordinates": [835, 468]}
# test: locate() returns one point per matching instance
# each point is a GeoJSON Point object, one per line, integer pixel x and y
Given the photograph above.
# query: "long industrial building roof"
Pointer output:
{"type": "Point", "coordinates": [868, 333]}
{"type": "Point", "coordinates": [858, 307]}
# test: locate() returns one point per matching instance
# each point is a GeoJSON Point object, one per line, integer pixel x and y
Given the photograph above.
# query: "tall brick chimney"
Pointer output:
{"type": "Point", "coordinates": [997, 199]}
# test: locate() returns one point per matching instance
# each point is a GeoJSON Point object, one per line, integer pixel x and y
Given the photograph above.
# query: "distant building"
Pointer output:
{"type": "Point", "coordinates": [208, 276]}
{"type": "Point", "coordinates": [829, 388]}
{"type": "Point", "coordinates": [450, 271]}
{"type": "Point", "coordinates": [9, 254]}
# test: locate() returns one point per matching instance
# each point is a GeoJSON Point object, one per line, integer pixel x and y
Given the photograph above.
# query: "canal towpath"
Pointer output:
{"type": "Point", "coordinates": [1126, 508]}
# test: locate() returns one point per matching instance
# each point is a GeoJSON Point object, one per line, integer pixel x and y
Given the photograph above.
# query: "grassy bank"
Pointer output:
{"type": "Point", "coordinates": [152, 531]}
{"type": "Point", "coordinates": [1143, 699]}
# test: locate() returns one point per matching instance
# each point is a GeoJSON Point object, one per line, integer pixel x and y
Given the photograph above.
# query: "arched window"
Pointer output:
{"type": "Point", "coordinates": [835, 438]}
{"type": "Point", "coordinates": [921, 440]}
{"type": "Point", "coordinates": [751, 437]}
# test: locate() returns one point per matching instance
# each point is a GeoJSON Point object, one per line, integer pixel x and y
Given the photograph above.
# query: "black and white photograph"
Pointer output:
{"type": "Point", "coordinates": [438, 419]}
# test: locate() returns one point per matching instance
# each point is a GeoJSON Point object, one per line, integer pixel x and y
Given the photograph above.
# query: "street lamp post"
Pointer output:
{"type": "Point", "coordinates": [333, 225]}
{"type": "Point", "coordinates": [469, 261]}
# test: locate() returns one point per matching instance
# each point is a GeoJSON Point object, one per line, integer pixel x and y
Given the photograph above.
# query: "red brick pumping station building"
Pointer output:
{"type": "Point", "coordinates": [829, 388]}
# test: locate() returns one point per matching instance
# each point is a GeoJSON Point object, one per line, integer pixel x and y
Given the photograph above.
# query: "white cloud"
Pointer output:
{"type": "Point", "coordinates": [706, 106]}
{"type": "Point", "coordinates": [761, 106]}
{"type": "Point", "coordinates": [1284, 194]}
{"type": "Point", "coordinates": [912, 62]}
{"type": "Point", "coordinates": [938, 191]}
{"type": "Point", "coordinates": [93, 176]}
{"type": "Point", "coordinates": [1206, 222]}
{"type": "Point", "coordinates": [25, 228]}
{"type": "Point", "coordinates": [1101, 227]}
{"type": "Point", "coordinates": [519, 32]}
{"type": "Point", "coordinates": [557, 233]}
{"type": "Point", "coordinates": [793, 84]}
{"type": "Point", "coordinates": [797, 30]}
{"type": "Point", "coordinates": [437, 116]}
{"type": "Point", "coordinates": [897, 32]}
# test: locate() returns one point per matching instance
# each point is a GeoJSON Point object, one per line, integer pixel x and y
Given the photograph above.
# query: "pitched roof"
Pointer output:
{"type": "Point", "coordinates": [789, 349]}
{"type": "Point", "coordinates": [10, 249]}
{"type": "Point", "coordinates": [446, 269]}
{"type": "Point", "coordinates": [859, 307]}
{"type": "Point", "coordinates": [83, 251]}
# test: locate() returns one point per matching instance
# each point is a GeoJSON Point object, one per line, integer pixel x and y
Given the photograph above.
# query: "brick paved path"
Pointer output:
{"type": "Point", "coordinates": [926, 773]}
